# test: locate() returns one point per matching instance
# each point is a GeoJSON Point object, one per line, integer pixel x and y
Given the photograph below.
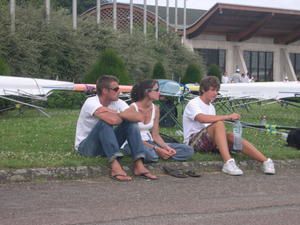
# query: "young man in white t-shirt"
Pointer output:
{"type": "Point", "coordinates": [104, 123]}
{"type": "Point", "coordinates": [205, 131]}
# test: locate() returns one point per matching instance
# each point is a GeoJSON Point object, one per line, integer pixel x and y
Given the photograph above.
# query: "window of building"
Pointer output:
{"type": "Point", "coordinates": [213, 56]}
{"type": "Point", "coordinates": [295, 59]}
{"type": "Point", "coordinates": [259, 65]}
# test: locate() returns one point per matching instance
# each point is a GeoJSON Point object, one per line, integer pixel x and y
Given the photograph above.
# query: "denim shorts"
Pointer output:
{"type": "Point", "coordinates": [202, 142]}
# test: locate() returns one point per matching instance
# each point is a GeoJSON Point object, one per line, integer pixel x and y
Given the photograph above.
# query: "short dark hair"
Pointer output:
{"type": "Point", "coordinates": [139, 90]}
{"type": "Point", "coordinates": [104, 82]}
{"type": "Point", "coordinates": [208, 82]}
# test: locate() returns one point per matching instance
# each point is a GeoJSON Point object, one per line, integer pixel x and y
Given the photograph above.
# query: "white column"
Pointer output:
{"type": "Point", "coordinates": [145, 17]}
{"type": "Point", "coordinates": [115, 14]}
{"type": "Point", "coordinates": [47, 9]}
{"type": "Point", "coordinates": [156, 19]}
{"type": "Point", "coordinates": [176, 16]}
{"type": "Point", "coordinates": [167, 16]}
{"type": "Point", "coordinates": [184, 20]}
{"type": "Point", "coordinates": [131, 16]}
{"type": "Point", "coordinates": [74, 13]}
{"type": "Point", "coordinates": [98, 9]}
{"type": "Point", "coordinates": [12, 11]}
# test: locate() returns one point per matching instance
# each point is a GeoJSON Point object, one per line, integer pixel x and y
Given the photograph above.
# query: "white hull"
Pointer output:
{"type": "Point", "coordinates": [21, 86]}
{"type": "Point", "coordinates": [261, 90]}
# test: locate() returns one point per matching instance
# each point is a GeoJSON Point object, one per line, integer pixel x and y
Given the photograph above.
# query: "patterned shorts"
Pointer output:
{"type": "Point", "coordinates": [202, 142]}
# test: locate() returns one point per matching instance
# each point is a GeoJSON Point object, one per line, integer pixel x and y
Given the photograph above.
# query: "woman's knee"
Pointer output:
{"type": "Point", "coordinates": [184, 151]}
{"type": "Point", "coordinates": [150, 155]}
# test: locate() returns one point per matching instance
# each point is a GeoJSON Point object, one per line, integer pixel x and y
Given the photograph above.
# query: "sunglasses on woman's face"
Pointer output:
{"type": "Point", "coordinates": [115, 89]}
{"type": "Point", "coordinates": [156, 90]}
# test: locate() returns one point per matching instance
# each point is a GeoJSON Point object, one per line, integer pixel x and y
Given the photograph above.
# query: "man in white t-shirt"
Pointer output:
{"type": "Point", "coordinates": [105, 123]}
{"type": "Point", "coordinates": [205, 131]}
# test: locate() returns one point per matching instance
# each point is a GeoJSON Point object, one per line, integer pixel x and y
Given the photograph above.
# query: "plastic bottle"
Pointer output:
{"type": "Point", "coordinates": [237, 133]}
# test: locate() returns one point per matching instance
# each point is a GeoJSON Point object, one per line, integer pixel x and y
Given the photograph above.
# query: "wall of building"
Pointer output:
{"type": "Point", "coordinates": [281, 67]}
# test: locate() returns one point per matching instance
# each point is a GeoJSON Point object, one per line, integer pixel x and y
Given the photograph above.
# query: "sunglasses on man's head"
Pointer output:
{"type": "Point", "coordinates": [115, 89]}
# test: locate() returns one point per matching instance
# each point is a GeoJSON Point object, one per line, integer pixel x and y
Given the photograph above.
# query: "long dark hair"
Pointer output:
{"type": "Point", "coordinates": [139, 90]}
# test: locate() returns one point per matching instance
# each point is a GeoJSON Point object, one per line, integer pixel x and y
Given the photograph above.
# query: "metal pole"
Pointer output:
{"type": "Point", "coordinates": [145, 17]}
{"type": "Point", "coordinates": [176, 16]}
{"type": "Point", "coordinates": [184, 20]}
{"type": "Point", "coordinates": [47, 8]}
{"type": "Point", "coordinates": [74, 13]}
{"type": "Point", "coordinates": [115, 14]}
{"type": "Point", "coordinates": [98, 8]}
{"type": "Point", "coordinates": [156, 19]}
{"type": "Point", "coordinates": [12, 10]}
{"type": "Point", "coordinates": [167, 19]}
{"type": "Point", "coordinates": [131, 16]}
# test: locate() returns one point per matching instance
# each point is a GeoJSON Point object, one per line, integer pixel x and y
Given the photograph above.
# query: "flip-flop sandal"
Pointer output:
{"type": "Point", "coordinates": [146, 176]}
{"type": "Point", "coordinates": [192, 173]}
{"type": "Point", "coordinates": [115, 177]}
{"type": "Point", "coordinates": [174, 172]}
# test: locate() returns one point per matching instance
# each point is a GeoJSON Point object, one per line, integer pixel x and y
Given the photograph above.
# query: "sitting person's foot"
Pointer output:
{"type": "Point", "coordinates": [117, 172]}
{"type": "Point", "coordinates": [231, 168]}
{"type": "Point", "coordinates": [141, 171]}
{"type": "Point", "coordinates": [268, 167]}
{"type": "Point", "coordinates": [120, 176]}
{"type": "Point", "coordinates": [146, 175]}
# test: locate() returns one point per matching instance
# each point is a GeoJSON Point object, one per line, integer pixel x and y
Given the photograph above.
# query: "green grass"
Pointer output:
{"type": "Point", "coordinates": [33, 140]}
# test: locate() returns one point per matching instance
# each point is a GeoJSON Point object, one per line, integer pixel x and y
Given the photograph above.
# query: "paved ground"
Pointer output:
{"type": "Point", "coordinates": [213, 199]}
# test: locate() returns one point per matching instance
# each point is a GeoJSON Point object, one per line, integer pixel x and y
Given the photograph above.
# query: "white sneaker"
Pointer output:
{"type": "Point", "coordinates": [231, 168]}
{"type": "Point", "coordinates": [268, 166]}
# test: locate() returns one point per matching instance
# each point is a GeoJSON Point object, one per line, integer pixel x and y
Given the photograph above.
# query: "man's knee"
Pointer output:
{"type": "Point", "coordinates": [103, 125]}
{"type": "Point", "coordinates": [219, 123]}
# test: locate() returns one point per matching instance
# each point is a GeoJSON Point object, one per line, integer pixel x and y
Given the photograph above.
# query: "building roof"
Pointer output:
{"type": "Point", "coordinates": [239, 23]}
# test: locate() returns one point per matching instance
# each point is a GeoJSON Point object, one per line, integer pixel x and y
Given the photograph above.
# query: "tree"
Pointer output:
{"type": "Point", "coordinates": [108, 63]}
{"type": "Point", "coordinates": [50, 50]}
{"type": "Point", "coordinates": [214, 70]}
{"type": "Point", "coordinates": [159, 71]}
{"type": "Point", "coordinates": [193, 74]}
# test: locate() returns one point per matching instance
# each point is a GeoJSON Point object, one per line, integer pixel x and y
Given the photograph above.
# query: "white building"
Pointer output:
{"type": "Point", "coordinates": [261, 41]}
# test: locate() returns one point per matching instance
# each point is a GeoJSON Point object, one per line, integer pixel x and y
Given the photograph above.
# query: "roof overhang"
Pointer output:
{"type": "Point", "coordinates": [240, 23]}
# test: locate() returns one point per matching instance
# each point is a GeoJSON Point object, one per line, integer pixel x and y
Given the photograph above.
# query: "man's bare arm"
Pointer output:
{"type": "Point", "coordinates": [132, 115]}
{"type": "Point", "coordinates": [203, 118]}
{"type": "Point", "coordinates": [109, 116]}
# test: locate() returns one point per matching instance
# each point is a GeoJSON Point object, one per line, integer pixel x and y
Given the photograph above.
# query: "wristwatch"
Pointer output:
{"type": "Point", "coordinates": [154, 147]}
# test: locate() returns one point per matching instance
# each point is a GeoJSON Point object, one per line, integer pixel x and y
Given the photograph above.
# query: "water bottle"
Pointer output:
{"type": "Point", "coordinates": [284, 136]}
{"type": "Point", "coordinates": [263, 122]}
{"type": "Point", "coordinates": [237, 133]}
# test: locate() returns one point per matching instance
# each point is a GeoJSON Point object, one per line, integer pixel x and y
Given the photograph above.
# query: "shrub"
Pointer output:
{"type": "Point", "coordinates": [214, 70]}
{"type": "Point", "coordinates": [193, 74]}
{"type": "Point", "coordinates": [108, 63]}
{"type": "Point", "coordinates": [66, 100]}
{"type": "Point", "coordinates": [159, 71]}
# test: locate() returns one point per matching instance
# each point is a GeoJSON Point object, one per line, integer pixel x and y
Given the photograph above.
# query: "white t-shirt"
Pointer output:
{"type": "Point", "coordinates": [225, 79]}
{"type": "Point", "coordinates": [87, 120]}
{"type": "Point", "coordinates": [192, 109]}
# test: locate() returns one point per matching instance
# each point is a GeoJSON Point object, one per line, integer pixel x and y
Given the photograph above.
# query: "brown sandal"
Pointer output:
{"type": "Point", "coordinates": [115, 177]}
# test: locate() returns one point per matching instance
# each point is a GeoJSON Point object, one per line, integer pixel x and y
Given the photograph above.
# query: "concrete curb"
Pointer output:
{"type": "Point", "coordinates": [81, 172]}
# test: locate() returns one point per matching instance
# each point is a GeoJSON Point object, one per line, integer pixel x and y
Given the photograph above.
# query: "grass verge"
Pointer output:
{"type": "Point", "coordinates": [33, 140]}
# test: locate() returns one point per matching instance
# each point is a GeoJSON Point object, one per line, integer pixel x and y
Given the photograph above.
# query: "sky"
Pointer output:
{"type": "Point", "coordinates": [207, 4]}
